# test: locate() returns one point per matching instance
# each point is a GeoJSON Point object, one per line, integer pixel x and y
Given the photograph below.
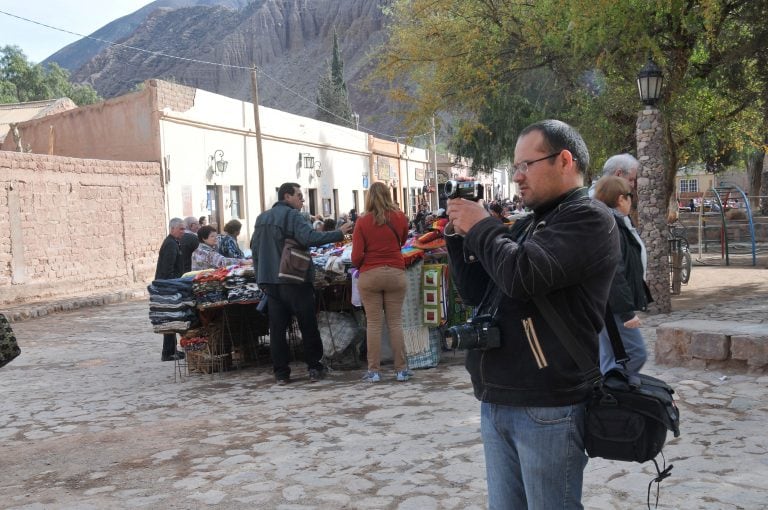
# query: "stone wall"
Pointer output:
{"type": "Point", "coordinates": [713, 344]}
{"type": "Point", "coordinates": [70, 225]}
{"type": "Point", "coordinates": [652, 205]}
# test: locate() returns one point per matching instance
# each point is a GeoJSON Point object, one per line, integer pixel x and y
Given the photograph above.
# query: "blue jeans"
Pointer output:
{"type": "Point", "coordinates": [634, 344]}
{"type": "Point", "coordinates": [534, 456]}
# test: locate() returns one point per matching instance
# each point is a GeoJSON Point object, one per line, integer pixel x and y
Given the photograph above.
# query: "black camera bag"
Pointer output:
{"type": "Point", "coordinates": [623, 421]}
{"type": "Point", "coordinates": [627, 422]}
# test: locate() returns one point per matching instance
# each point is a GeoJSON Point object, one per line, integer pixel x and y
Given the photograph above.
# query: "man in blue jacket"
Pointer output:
{"type": "Point", "coordinates": [532, 392]}
{"type": "Point", "coordinates": [297, 298]}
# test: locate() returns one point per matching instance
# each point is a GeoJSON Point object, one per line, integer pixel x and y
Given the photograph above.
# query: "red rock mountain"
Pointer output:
{"type": "Point", "coordinates": [290, 40]}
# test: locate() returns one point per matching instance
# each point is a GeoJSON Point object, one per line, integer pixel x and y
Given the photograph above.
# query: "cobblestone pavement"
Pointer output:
{"type": "Point", "coordinates": [90, 418]}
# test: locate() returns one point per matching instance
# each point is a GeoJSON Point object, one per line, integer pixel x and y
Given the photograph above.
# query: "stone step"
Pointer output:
{"type": "Point", "coordinates": [711, 343]}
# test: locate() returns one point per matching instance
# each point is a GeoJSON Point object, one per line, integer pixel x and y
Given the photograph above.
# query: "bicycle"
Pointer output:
{"type": "Point", "coordinates": [677, 235]}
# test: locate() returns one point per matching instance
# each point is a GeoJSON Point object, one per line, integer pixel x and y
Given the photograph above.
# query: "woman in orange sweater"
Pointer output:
{"type": "Point", "coordinates": [376, 241]}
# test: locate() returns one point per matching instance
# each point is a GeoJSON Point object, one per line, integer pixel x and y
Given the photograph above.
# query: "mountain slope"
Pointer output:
{"type": "Point", "coordinates": [290, 41]}
{"type": "Point", "coordinates": [73, 56]}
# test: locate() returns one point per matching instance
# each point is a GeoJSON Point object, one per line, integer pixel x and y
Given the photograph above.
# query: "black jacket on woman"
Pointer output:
{"type": "Point", "coordinates": [628, 290]}
{"type": "Point", "coordinates": [568, 251]}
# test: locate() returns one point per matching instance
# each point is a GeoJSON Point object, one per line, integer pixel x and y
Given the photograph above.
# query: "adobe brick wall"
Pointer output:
{"type": "Point", "coordinates": [69, 226]}
{"type": "Point", "coordinates": [178, 98]}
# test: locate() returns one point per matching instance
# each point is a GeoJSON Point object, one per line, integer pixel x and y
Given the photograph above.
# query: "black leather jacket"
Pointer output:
{"type": "Point", "coordinates": [568, 251]}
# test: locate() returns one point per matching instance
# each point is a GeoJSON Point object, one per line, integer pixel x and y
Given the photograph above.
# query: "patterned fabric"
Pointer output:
{"type": "Point", "coordinates": [430, 357]}
{"type": "Point", "coordinates": [415, 334]}
{"type": "Point", "coordinates": [9, 348]}
{"type": "Point", "coordinates": [228, 247]}
{"type": "Point", "coordinates": [433, 298]}
{"type": "Point", "coordinates": [205, 257]}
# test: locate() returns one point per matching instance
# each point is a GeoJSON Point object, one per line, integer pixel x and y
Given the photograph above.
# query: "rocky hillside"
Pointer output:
{"type": "Point", "coordinates": [290, 40]}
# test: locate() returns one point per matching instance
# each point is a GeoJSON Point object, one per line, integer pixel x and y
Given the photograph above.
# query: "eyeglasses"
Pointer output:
{"type": "Point", "coordinates": [629, 195]}
{"type": "Point", "coordinates": [522, 167]}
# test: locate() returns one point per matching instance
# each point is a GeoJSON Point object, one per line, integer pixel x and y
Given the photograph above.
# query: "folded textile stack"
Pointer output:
{"type": "Point", "coordinates": [208, 287]}
{"type": "Point", "coordinates": [241, 285]}
{"type": "Point", "coordinates": [171, 305]}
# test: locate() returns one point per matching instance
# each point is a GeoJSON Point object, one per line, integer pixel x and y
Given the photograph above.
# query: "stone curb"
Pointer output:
{"type": "Point", "coordinates": [26, 311]}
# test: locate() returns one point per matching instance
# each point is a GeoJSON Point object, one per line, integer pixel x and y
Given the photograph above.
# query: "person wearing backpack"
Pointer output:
{"type": "Point", "coordinates": [628, 290]}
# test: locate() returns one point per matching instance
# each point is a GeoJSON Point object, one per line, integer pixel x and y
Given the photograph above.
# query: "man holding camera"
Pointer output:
{"type": "Point", "coordinates": [532, 392]}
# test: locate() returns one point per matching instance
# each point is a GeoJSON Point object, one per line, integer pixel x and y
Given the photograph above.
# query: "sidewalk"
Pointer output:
{"type": "Point", "coordinates": [26, 311]}
{"type": "Point", "coordinates": [92, 419]}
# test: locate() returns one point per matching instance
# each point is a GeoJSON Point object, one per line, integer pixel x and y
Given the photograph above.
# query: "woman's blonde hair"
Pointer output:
{"type": "Point", "coordinates": [609, 188]}
{"type": "Point", "coordinates": [379, 202]}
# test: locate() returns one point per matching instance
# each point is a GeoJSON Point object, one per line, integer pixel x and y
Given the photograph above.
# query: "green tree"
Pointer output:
{"type": "Point", "coordinates": [22, 81]}
{"type": "Point", "coordinates": [495, 65]}
{"type": "Point", "coordinates": [332, 96]}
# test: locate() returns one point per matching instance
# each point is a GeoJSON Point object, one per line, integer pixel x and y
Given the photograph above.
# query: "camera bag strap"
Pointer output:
{"type": "Point", "coordinates": [590, 370]}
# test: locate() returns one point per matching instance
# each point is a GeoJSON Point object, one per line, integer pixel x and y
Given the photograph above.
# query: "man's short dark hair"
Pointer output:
{"type": "Point", "coordinates": [560, 136]}
{"type": "Point", "coordinates": [287, 188]}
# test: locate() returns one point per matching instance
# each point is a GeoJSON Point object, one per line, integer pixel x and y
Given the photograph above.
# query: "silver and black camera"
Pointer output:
{"type": "Point", "coordinates": [469, 190]}
{"type": "Point", "coordinates": [478, 333]}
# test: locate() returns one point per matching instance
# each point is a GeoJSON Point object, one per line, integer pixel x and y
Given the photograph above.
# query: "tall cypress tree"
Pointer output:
{"type": "Point", "coordinates": [332, 96]}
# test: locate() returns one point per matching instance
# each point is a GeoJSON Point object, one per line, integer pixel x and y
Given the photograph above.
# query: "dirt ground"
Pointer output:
{"type": "Point", "coordinates": [710, 284]}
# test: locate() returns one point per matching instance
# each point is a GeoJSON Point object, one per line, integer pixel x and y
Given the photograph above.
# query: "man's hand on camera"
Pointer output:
{"type": "Point", "coordinates": [464, 214]}
{"type": "Point", "coordinates": [346, 228]}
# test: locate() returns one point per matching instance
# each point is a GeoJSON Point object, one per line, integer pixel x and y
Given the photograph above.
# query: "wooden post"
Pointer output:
{"type": "Point", "coordinates": [259, 155]}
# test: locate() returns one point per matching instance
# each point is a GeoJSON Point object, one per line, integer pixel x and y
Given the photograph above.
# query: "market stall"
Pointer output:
{"type": "Point", "coordinates": [219, 312]}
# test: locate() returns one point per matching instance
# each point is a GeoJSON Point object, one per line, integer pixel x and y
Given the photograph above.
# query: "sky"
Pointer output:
{"type": "Point", "coordinates": [80, 16]}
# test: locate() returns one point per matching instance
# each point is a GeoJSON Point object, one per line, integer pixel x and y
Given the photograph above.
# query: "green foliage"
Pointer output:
{"type": "Point", "coordinates": [332, 96]}
{"type": "Point", "coordinates": [22, 81]}
{"type": "Point", "coordinates": [496, 66]}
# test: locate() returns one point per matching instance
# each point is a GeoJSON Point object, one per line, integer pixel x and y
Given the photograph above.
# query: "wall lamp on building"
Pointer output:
{"type": "Point", "coordinates": [306, 160]}
{"type": "Point", "coordinates": [318, 170]}
{"type": "Point", "coordinates": [218, 164]}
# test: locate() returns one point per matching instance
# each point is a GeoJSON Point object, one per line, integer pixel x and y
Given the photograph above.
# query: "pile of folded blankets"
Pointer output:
{"type": "Point", "coordinates": [208, 287]}
{"type": "Point", "coordinates": [241, 285]}
{"type": "Point", "coordinates": [172, 305]}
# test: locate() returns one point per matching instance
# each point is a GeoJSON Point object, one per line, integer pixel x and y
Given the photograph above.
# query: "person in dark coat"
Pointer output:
{"type": "Point", "coordinates": [628, 289]}
{"type": "Point", "coordinates": [285, 300]}
{"type": "Point", "coordinates": [533, 393]}
{"type": "Point", "coordinates": [189, 242]}
{"type": "Point", "coordinates": [169, 266]}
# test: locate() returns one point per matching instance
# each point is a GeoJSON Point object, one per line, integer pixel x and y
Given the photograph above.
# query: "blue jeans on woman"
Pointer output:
{"type": "Point", "coordinates": [534, 456]}
{"type": "Point", "coordinates": [634, 345]}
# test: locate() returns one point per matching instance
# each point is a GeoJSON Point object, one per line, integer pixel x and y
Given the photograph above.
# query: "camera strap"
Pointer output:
{"type": "Point", "coordinates": [490, 303]}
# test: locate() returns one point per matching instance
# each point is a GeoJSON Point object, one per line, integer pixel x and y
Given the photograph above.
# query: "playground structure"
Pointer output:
{"type": "Point", "coordinates": [731, 234]}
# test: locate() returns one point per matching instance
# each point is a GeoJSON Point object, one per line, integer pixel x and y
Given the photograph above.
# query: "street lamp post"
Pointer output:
{"type": "Point", "coordinates": [652, 203]}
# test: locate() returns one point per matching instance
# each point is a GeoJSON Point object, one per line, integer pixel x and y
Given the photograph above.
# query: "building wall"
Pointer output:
{"type": "Point", "coordinates": [74, 225]}
{"type": "Point", "coordinates": [190, 138]}
{"type": "Point", "coordinates": [122, 128]}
